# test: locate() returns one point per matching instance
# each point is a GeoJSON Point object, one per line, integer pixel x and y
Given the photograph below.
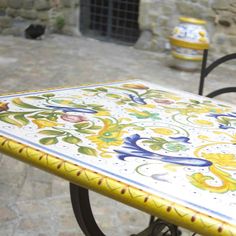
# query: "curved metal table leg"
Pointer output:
{"type": "Point", "coordinates": [84, 216]}
{"type": "Point", "coordinates": [160, 228]}
{"type": "Point", "coordinates": [83, 212]}
{"type": "Point", "coordinates": [152, 219]}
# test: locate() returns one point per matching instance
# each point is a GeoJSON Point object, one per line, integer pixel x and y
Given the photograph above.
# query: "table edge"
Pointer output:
{"type": "Point", "coordinates": [170, 211]}
{"type": "Point", "coordinates": [66, 87]}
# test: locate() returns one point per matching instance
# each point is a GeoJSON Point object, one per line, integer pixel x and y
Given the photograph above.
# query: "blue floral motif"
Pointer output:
{"type": "Point", "coordinates": [70, 109]}
{"type": "Point", "coordinates": [181, 139]}
{"type": "Point", "coordinates": [220, 115]}
{"type": "Point", "coordinates": [160, 177]}
{"type": "Point", "coordinates": [224, 126]}
{"type": "Point", "coordinates": [137, 99]}
{"type": "Point", "coordinates": [221, 126]}
{"type": "Point", "coordinates": [132, 149]}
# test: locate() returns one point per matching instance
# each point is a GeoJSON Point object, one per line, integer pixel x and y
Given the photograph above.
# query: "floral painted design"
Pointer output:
{"type": "Point", "coordinates": [135, 94]}
{"type": "Point", "coordinates": [203, 122]}
{"type": "Point", "coordinates": [70, 109]}
{"type": "Point", "coordinates": [110, 135]}
{"type": "Point", "coordinates": [43, 123]}
{"type": "Point", "coordinates": [226, 121]}
{"type": "Point", "coordinates": [73, 118]}
{"type": "Point", "coordinates": [163, 131]}
{"type": "Point", "coordinates": [144, 114]}
{"type": "Point", "coordinates": [135, 86]}
{"type": "Point", "coordinates": [132, 149]}
{"type": "Point", "coordinates": [163, 101]}
{"type": "Point", "coordinates": [49, 116]}
{"type": "Point", "coordinates": [3, 106]}
{"type": "Point", "coordinates": [136, 131]}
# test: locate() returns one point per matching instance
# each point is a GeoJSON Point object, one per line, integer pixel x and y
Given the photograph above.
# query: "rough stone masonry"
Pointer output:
{"type": "Point", "coordinates": [58, 15]}
{"type": "Point", "coordinates": [156, 19]}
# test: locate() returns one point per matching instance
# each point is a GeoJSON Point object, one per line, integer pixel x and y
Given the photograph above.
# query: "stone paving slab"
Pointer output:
{"type": "Point", "coordinates": [34, 203]}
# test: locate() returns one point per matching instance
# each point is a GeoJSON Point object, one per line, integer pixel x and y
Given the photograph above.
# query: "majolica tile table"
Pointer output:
{"type": "Point", "coordinates": [168, 153]}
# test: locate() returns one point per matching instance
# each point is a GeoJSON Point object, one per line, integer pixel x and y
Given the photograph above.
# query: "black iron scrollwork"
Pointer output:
{"type": "Point", "coordinates": [84, 216]}
{"type": "Point", "coordinates": [160, 227]}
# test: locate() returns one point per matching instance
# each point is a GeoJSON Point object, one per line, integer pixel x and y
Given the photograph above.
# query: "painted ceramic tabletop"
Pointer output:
{"type": "Point", "coordinates": [169, 143]}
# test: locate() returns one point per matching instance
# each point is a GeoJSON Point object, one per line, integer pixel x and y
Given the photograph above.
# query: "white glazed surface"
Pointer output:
{"type": "Point", "coordinates": [167, 142]}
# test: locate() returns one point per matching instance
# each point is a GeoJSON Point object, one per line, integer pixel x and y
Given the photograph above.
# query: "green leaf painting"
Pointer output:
{"type": "Point", "coordinates": [102, 89]}
{"type": "Point", "coordinates": [87, 151]}
{"type": "Point", "coordinates": [52, 132]}
{"type": "Point", "coordinates": [18, 102]}
{"type": "Point", "coordinates": [90, 90]}
{"type": "Point", "coordinates": [48, 141]}
{"type": "Point", "coordinates": [15, 118]}
{"type": "Point", "coordinates": [82, 125]}
{"type": "Point", "coordinates": [71, 140]}
{"type": "Point", "coordinates": [9, 120]}
{"type": "Point", "coordinates": [48, 95]}
{"type": "Point", "coordinates": [111, 95]}
{"type": "Point", "coordinates": [21, 118]}
{"type": "Point", "coordinates": [35, 97]}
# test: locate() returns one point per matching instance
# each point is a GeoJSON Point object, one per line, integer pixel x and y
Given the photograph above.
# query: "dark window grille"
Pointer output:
{"type": "Point", "coordinates": [110, 19]}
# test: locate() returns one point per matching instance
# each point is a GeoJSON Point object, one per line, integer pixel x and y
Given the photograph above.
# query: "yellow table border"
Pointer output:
{"type": "Point", "coordinates": [167, 210]}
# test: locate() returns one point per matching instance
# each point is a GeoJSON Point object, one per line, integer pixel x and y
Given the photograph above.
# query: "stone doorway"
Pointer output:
{"type": "Point", "coordinates": [115, 20]}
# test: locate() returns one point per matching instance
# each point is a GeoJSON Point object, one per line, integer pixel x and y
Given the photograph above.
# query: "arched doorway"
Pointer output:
{"type": "Point", "coordinates": [115, 20]}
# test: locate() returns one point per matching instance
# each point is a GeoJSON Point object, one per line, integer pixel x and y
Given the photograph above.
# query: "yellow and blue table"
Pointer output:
{"type": "Point", "coordinates": [166, 152]}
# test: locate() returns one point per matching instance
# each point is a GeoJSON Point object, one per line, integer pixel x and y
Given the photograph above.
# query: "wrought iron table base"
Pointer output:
{"type": "Point", "coordinates": [84, 216]}
{"type": "Point", "coordinates": [83, 212]}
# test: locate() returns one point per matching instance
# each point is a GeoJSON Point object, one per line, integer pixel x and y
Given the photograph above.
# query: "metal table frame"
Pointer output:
{"type": "Point", "coordinates": [84, 216]}
{"type": "Point", "coordinates": [205, 70]}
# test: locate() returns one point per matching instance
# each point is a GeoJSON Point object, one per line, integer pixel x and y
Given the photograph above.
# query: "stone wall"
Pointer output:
{"type": "Point", "coordinates": [58, 15]}
{"type": "Point", "coordinates": [157, 19]}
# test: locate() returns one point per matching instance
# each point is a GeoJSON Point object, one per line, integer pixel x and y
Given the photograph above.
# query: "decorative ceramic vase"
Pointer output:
{"type": "Point", "coordinates": [188, 40]}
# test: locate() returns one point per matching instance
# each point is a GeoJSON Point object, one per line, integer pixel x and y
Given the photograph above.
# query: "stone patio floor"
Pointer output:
{"type": "Point", "coordinates": [34, 203]}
